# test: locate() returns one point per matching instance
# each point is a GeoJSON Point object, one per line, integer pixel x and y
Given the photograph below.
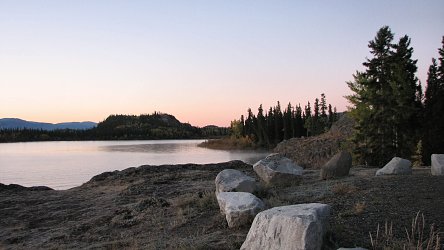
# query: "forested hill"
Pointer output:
{"type": "Point", "coordinates": [120, 127]}
{"type": "Point", "coordinates": [154, 126]}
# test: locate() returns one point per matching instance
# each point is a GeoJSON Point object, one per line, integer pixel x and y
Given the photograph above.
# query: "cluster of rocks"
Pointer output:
{"type": "Point", "coordinates": [234, 194]}
{"type": "Point", "coordinates": [234, 189]}
{"type": "Point", "coordinates": [301, 226]}
{"type": "Point", "coordinates": [399, 166]}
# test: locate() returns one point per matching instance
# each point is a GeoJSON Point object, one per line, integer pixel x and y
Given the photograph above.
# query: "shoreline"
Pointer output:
{"type": "Point", "coordinates": [174, 206]}
{"type": "Point", "coordinates": [104, 140]}
{"type": "Point", "coordinates": [63, 165]}
{"type": "Point", "coordinates": [229, 143]}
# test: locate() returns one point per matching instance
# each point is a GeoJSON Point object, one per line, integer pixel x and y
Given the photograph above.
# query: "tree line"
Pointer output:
{"type": "Point", "coordinates": [394, 117]}
{"type": "Point", "coordinates": [268, 128]}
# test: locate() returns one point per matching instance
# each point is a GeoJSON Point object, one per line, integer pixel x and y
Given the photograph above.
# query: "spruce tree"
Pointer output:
{"type": "Point", "coordinates": [323, 105]}
{"type": "Point", "coordinates": [270, 126]}
{"type": "Point", "coordinates": [292, 121]}
{"type": "Point", "coordinates": [299, 122]}
{"type": "Point", "coordinates": [407, 107]}
{"type": "Point", "coordinates": [249, 124]}
{"type": "Point", "coordinates": [308, 123]}
{"type": "Point", "coordinates": [323, 121]}
{"type": "Point", "coordinates": [287, 122]}
{"type": "Point", "coordinates": [433, 135]}
{"type": "Point", "coordinates": [242, 120]}
{"type": "Point", "coordinates": [261, 132]}
{"type": "Point", "coordinates": [316, 118]}
{"type": "Point", "coordinates": [385, 103]}
{"type": "Point", "coordinates": [330, 115]}
{"type": "Point", "coordinates": [279, 123]}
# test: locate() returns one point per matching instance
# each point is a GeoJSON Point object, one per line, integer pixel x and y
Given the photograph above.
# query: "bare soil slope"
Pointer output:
{"type": "Point", "coordinates": [170, 207]}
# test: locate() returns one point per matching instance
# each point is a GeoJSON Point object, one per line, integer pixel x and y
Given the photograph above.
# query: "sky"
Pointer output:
{"type": "Point", "coordinates": [206, 62]}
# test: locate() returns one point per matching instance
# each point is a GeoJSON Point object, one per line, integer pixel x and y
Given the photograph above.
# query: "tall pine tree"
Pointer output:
{"type": "Point", "coordinates": [385, 101]}
{"type": "Point", "coordinates": [407, 104]}
{"type": "Point", "coordinates": [433, 136]}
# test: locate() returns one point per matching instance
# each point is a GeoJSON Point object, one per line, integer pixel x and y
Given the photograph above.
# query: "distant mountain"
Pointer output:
{"type": "Point", "coordinates": [15, 123]}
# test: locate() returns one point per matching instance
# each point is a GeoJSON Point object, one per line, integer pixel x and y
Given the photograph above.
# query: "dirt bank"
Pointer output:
{"type": "Point", "coordinates": [175, 207]}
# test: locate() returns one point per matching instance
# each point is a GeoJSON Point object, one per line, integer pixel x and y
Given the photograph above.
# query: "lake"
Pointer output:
{"type": "Point", "coordinates": [63, 165]}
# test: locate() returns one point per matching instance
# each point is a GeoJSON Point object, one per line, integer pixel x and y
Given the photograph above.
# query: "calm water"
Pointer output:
{"type": "Point", "coordinates": [62, 165]}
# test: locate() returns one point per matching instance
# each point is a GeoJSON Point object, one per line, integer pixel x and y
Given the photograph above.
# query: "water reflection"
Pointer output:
{"type": "Point", "coordinates": [62, 165]}
{"type": "Point", "coordinates": [167, 148]}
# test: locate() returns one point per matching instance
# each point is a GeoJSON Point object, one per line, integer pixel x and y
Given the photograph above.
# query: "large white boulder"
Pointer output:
{"type": "Point", "coordinates": [232, 180]}
{"type": "Point", "coordinates": [289, 227]}
{"type": "Point", "coordinates": [339, 165]}
{"type": "Point", "coordinates": [397, 166]}
{"type": "Point", "coordinates": [276, 170]}
{"type": "Point", "coordinates": [239, 207]}
{"type": "Point", "coordinates": [437, 164]}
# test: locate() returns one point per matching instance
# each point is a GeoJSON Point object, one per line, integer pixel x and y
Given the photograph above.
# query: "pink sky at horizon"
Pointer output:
{"type": "Point", "coordinates": [204, 62]}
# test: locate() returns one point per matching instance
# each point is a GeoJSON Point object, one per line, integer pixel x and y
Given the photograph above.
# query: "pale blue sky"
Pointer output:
{"type": "Point", "coordinates": [204, 61]}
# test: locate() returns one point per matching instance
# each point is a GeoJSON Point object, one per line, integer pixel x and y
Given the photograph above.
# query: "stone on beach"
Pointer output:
{"type": "Point", "coordinates": [339, 165]}
{"type": "Point", "coordinates": [289, 227]}
{"type": "Point", "coordinates": [239, 207]}
{"type": "Point", "coordinates": [397, 166]}
{"type": "Point", "coordinates": [231, 180]}
{"type": "Point", "coordinates": [437, 164]}
{"type": "Point", "coordinates": [276, 169]}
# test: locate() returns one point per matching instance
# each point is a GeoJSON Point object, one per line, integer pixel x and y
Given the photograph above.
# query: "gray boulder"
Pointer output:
{"type": "Point", "coordinates": [289, 227]}
{"type": "Point", "coordinates": [437, 164]}
{"type": "Point", "coordinates": [239, 208]}
{"type": "Point", "coordinates": [397, 166]}
{"type": "Point", "coordinates": [231, 180]}
{"type": "Point", "coordinates": [277, 170]}
{"type": "Point", "coordinates": [339, 165]}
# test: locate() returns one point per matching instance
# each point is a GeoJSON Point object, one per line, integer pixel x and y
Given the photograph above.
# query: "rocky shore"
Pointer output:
{"type": "Point", "coordinates": [174, 206]}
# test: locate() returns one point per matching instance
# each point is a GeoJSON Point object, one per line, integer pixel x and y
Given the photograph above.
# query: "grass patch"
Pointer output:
{"type": "Point", "coordinates": [359, 208]}
{"type": "Point", "coordinates": [183, 215]}
{"type": "Point", "coordinates": [341, 189]}
{"type": "Point", "coordinates": [416, 237]}
{"type": "Point", "coordinates": [207, 201]}
{"type": "Point", "coordinates": [201, 201]}
{"type": "Point", "coordinates": [188, 206]}
{"type": "Point", "coordinates": [276, 199]}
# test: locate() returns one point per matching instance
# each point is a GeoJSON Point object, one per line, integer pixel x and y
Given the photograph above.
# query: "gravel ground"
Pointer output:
{"type": "Point", "coordinates": [171, 207]}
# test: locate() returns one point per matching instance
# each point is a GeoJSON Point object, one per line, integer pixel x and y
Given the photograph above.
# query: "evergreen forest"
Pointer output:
{"type": "Point", "coordinates": [267, 128]}
{"type": "Point", "coordinates": [393, 116]}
